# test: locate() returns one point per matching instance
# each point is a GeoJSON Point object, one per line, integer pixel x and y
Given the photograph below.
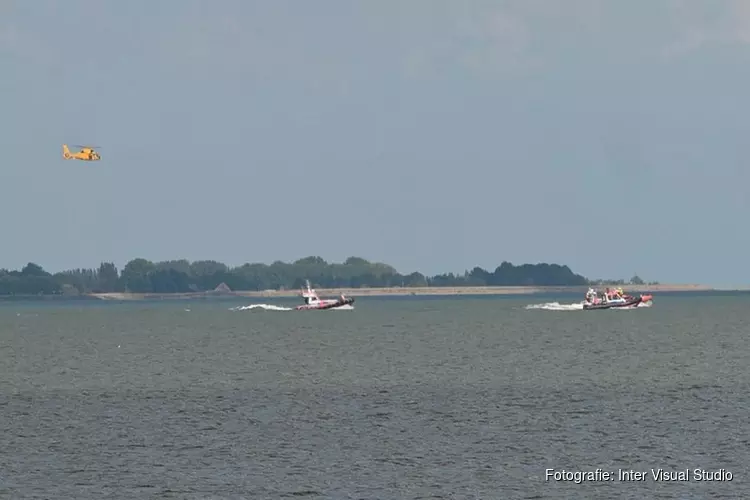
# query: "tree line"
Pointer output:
{"type": "Point", "coordinates": [181, 276]}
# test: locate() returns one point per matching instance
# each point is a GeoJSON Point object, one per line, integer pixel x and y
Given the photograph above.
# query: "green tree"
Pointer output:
{"type": "Point", "coordinates": [32, 269]}
{"type": "Point", "coordinates": [182, 266]}
{"type": "Point", "coordinates": [135, 275]}
{"type": "Point", "coordinates": [108, 277]}
{"type": "Point", "coordinates": [636, 280]}
{"type": "Point", "coordinates": [143, 276]}
{"type": "Point", "coordinates": [207, 267]}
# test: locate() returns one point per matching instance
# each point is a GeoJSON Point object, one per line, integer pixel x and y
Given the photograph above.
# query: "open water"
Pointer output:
{"type": "Point", "coordinates": [470, 398]}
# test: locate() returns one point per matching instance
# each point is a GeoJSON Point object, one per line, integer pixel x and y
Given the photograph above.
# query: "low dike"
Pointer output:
{"type": "Point", "coordinates": [401, 292]}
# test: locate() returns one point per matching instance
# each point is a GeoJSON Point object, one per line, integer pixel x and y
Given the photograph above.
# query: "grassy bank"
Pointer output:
{"type": "Point", "coordinates": [45, 298]}
{"type": "Point", "coordinates": [396, 292]}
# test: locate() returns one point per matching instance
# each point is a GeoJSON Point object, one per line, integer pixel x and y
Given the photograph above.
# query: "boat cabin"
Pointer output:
{"type": "Point", "coordinates": [309, 294]}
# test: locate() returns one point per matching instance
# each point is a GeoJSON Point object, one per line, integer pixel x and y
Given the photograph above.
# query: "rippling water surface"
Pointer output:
{"type": "Point", "coordinates": [397, 399]}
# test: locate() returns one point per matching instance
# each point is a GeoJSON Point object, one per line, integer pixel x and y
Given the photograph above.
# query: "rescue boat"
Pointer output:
{"type": "Point", "coordinates": [313, 302]}
{"type": "Point", "coordinates": [597, 300]}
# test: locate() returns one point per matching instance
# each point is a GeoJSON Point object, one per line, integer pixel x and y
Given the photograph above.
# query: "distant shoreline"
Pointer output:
{"type": "Point", "coordinates": [368, 292]}
{"type": "Point", "coordinates": [404, 292]}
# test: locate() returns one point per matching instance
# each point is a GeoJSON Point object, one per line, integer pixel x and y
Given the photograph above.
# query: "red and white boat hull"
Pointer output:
{"type": "Point", "coordinates": [325, 304]}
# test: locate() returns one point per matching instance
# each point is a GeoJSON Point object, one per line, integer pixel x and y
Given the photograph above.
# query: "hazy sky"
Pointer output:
{"type": "Point", "coordinates": [611, 136]}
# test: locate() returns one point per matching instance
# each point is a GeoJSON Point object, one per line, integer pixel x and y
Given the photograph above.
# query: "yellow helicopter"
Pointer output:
{"type": "Point", "coordinates": [86, 153]}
